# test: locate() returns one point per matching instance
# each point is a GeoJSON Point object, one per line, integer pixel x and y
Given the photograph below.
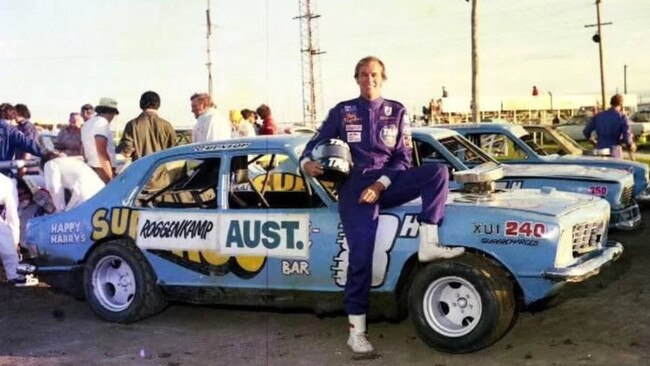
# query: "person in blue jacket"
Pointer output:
{"type": "Point", "coordinates": [11, 139]}
{"type": "Point", "coordinates": [611, 127]}
{"type": "Point", "coordinates": [378, 133]}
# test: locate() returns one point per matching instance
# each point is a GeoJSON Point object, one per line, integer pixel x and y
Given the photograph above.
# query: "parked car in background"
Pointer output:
{"type": "Point", "coordinates": [614, 185]}
{"type": "Point", "coordinates": [538, 144]}
{"type": "Point", "coordinates": [574, 126]}
{"type": "Point", "coordinates": [238, 223]}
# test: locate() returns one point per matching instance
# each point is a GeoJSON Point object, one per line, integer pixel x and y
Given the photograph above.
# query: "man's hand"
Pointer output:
{"type": "Point", "coordinates": [632, 150]}
{"type": "Point", "coordinates": [313, 168]}
{"type": "Point", "coordinates": [371, 194]}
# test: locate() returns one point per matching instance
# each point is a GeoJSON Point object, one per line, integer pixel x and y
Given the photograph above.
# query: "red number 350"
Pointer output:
{"type": "Point", "coordinates": [525, 228]}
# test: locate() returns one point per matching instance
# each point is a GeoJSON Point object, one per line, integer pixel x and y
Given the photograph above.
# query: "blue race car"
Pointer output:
{"type": "Point", "coordinates": [238, 223]}
{"type": "Point", "coordinates": [537, 144]}
{"type": "Point", "coordinates": [614, 185]}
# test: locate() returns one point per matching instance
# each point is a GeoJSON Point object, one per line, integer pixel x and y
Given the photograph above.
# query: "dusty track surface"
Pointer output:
{"type": "Point", "coordinates": [603, 321]}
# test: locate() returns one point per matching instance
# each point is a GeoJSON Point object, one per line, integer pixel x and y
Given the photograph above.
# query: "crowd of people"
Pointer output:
{"type": "Point", "coordinates": [82, 158]}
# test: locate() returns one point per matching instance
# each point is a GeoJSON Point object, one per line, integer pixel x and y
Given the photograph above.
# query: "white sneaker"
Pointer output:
{"type": "Point", "coordinates": [359, 343]}
{"type": "Point", "coordinates": [430, 247]}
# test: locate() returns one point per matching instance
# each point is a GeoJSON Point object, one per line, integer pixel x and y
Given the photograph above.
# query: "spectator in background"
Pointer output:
{"type": "Point", "coordinates": [234, 116]}
{"type": "Point", "coordinates": [535, 91]}
{"type": "Point", "coordinates": [24, 125]}
{"type": "Point", "coordinates": [445, 94]}
{"type": "Point", "coordinates": [210, 124]}
{"type": "Point", "coordinates": [69, 173]}
{"type": "Point", "coordinates": [268, 124]}
{"type": "Point", "coordinates": [11, 139]}
{"type": "Point", "coordinates": [148, 132]}
{"type": "Point", "coordinates": [97, 140]}
{"type": "Point", "coordinates": [87, 111]}
{"type": "Point", "coordinates": [611, 127]}
{"type": "Point", "coordinates": [246, 126]}
{"type": "Point", "coordinates": [68, 141]}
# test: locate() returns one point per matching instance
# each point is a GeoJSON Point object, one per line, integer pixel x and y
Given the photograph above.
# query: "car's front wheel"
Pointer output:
{"type": "Point", "coordinates": [461, 305]}
{"type": "Point", "coordinates": [119, 283]}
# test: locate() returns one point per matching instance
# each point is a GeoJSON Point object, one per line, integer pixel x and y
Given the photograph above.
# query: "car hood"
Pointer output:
{"type": "Point", "coordinates": [547, 201]}
{"type": "Point", "coordinates": [580, 159]}
{"type": "Point", "coordinates": [566, 171]}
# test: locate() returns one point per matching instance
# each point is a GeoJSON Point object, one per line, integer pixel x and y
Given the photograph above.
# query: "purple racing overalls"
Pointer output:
{"type": "Point", "coordinates": [379, 137]}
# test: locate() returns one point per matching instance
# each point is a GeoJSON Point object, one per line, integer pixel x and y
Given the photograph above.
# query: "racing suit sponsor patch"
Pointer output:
{"type": "Point", "coordinates": [353, 127]}
{"type": "Point", "coordinates": [354, 137]}
{"type": "Point", "coordinates": [388, 135]}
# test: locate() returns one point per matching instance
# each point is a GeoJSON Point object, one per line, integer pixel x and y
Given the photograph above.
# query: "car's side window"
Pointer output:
{"type": "Point", "coordinates": [186, 183]}
{"type": "Point", "coordinates": [498, 146]}
{"type": "Point", "coordinates": [268, 181]}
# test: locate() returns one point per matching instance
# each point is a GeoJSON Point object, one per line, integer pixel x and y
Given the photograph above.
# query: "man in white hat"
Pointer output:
{"type": "Point", "coordinates": [97, 139]}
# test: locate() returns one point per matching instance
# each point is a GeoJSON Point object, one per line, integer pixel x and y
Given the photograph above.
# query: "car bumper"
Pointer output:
{"type": "Point", "coordinates": [628, 218]}
{"type": "Point", "coordinates": [587, 267]}
{"type": "Point", "coordinates": [643, 197]}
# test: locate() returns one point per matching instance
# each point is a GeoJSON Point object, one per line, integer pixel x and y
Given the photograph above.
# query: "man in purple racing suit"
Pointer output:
{"type": "Point", "coordinates": [378, 133]}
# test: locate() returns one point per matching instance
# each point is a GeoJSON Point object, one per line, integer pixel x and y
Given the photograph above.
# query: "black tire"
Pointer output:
{"type": "Point", "coordinates": [445, 311]}
{"type": "Point", "coordinates": [119, 283]}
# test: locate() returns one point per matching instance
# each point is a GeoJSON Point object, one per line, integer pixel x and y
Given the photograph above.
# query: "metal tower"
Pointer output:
{"type": "Point", "coordinates": [312, 102]}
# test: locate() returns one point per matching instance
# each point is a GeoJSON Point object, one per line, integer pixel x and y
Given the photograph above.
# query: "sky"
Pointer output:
{"type": "Point", "coordinates": [56, 55]}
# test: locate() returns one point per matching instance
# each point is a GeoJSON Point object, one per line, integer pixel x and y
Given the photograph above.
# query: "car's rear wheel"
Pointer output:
{"type": "Point", "coordinates": [119, 283]}
{"type": "Point", "coordinates": [461, 305]}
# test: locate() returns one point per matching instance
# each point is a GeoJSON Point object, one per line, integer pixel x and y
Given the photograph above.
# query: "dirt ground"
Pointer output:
{"type": "Point", "coordinates": [603, 321]}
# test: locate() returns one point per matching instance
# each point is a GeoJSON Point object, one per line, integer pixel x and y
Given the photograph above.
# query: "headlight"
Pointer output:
{"type": "Point", "coordinates": [564, 255]}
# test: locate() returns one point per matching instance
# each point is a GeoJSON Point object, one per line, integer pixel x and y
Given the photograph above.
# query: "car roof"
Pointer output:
{"type": "Point", "coordinates": [437, 132]}
{"type": "Point", "coordinates": [289, 142]}
{"type": "Point", "coordinates": [517, 130]}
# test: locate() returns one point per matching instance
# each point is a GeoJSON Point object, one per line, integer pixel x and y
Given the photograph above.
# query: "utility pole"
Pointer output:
{"type": "Point", "coordinates": [475, 68]}
{"type": "Point", "coordinates": [208, 35]}
{"type": "Point", "coordinates": [598, 38]}
{"type": "Point", "coordinates": [624, 79]}
{"type": "Point", "coordinates": [311, 72]}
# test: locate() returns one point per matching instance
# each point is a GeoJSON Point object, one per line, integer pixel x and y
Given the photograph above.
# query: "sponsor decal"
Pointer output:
{"type": "Point", "coordinates": [67, 233]}
{"type": "Point", "coordinates": [351, 118]}
{"type": "Point", "coordinates": [167, 230]}
{"type": "Point", "coordinates": [387, 232]}
{"type": "Point", "coordinates": [353, 137]}
{"type": "Point", "coordinates": [600, 191]}
{"type": "Point", "coordinates": [350, 108]}
{"type": "Point", "coordinates": [388, 110]}
{"type": "Point", "coordinates": [388, 135]}
{"type": "Point", "coordinates": [270, 235]}
{"type": "Point", "coordinates": [406, 133]}
{"type": "Point", "coordinates": [515, 241]}
{"type": "Point", "coordinates": [295, 268]}
{"type": "Point", "coordinates": [510, 184]}
{"type": "Point", "coordinates": [123, 221]}
{"type": "Point", "coordinates": [354, 127]}
{"type": "Point", "coordinates": [220, 147]}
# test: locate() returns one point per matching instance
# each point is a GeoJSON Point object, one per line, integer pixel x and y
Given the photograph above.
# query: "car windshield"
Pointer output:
{"type": "Point", "coordinates": [569, 143]}
{"type": "Point", "coordinates": [530, 141]}
{"type": "Point", "coordinates": [468, 153]}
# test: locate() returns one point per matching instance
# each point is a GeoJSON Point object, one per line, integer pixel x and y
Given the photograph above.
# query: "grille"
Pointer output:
{"type": "Point", "coordinates": [627, 196]}
{"type": "Point", "coordinates": [587, 236]}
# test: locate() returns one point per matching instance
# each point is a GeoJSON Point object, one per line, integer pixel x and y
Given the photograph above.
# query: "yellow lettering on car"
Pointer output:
{"type": "Point", "coordinates": [100, 224]}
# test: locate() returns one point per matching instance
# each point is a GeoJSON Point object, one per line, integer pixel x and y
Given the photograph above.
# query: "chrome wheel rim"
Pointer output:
{"type": "Point", "coordinates": [452, 306]}
{"type": "Point", "coordinates": [113, 283]}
